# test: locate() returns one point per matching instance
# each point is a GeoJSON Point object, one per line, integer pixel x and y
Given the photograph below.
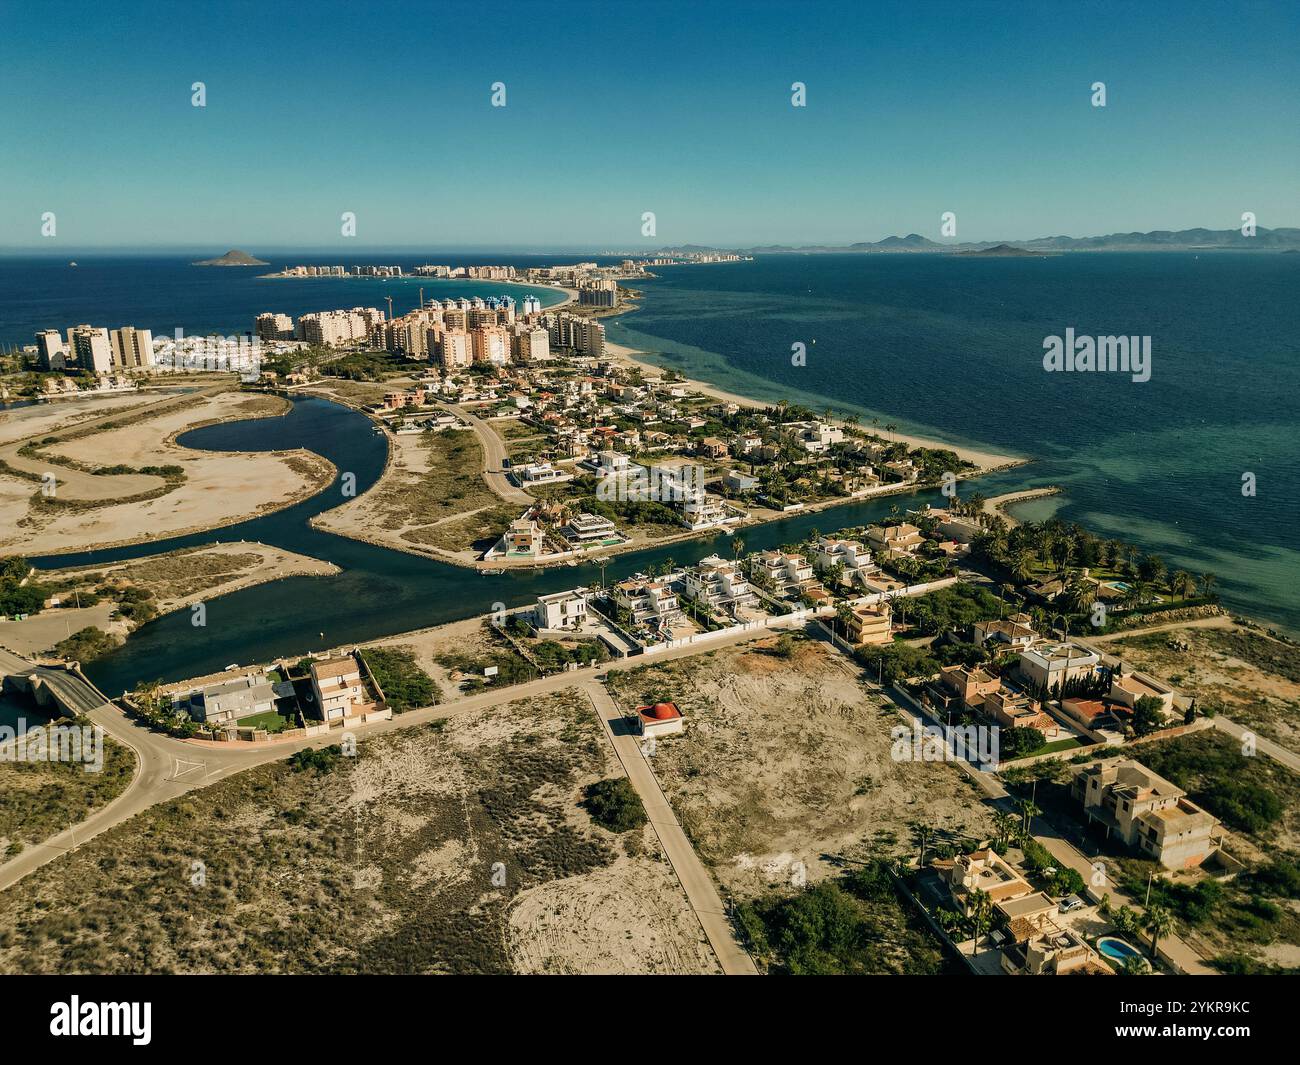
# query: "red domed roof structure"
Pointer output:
{"type": "Point", "coordinates": [659, 712]}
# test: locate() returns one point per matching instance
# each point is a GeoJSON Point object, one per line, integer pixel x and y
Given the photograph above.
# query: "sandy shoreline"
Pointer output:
{"type": "Point", "coordinates": [39, 632]}
{"type": "Point", "coordinates": [984, 461]}
{"type": "Point", "coordinates": [220, 488]}
{"type": "Point", "coordinates": [997, 506]}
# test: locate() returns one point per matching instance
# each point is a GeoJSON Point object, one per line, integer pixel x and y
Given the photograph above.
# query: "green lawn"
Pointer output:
{"type": "Point", "coordinates": [1055, 745]}
{"type": "Point", "coordinates": [272, 721]}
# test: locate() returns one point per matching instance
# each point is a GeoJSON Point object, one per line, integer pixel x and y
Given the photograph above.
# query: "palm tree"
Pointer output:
{"type": "Point", "coordinates": [1063, 554]}
{"type": "Point", "coordinates": [1208, 581]}
{"type": "Point", "coordinates": [1159, 922]}
{"type": "Point", "coordinates": [922, 832]}
{"type": "Point", "coordinates": [1004, 827]}
{"type": "Point", "coordinates": [981, 910]}
{"type": "Point", "coordinates": [1182, 584]}
{"type": "Point", "coordinates": [1021, 564]}
{"type": "Point", "coordinates": [1133, 966]}
{"type": "Point", "coordinates": [737, 546]}
{"type": "Point", "coordinates": [1028, 811]}
{"type": "Point", "coordinates": [844, 614]}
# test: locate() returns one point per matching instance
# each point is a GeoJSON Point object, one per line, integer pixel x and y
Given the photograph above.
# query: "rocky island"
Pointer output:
{"type": "Point", "coordinates": [234, 257]}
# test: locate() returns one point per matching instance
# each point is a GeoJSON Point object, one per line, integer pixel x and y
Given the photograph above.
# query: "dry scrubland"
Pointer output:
{"type": "Point", "coordinates": [182, 577]}
{"type": "Point", "coordinates": [432, 497]}
{"type": "Point", "coordinates": [40, 799]}
{"type": "Point", "coordinates": [446, 651]}
{"type": "Point", "coordinates": [382, 864]}
{"type": "Point", "coordinates": [176, 579]}
{"type": "Point", "coordinates": [359, 393]}
{"type": "Point", "coordinates": [22, 422]}
{"type": "Point", "coordinates": [217, 488]}
{"type": "Point", "coordinates": [1243, 674]}
{"type": "Point", "coordinates": [788, 760]}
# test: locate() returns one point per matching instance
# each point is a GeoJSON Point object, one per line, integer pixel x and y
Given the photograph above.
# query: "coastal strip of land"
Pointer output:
{"type": "Point", "coordinates": [997, 507]}
{"type": "Point", "coordinates": [985, 461]}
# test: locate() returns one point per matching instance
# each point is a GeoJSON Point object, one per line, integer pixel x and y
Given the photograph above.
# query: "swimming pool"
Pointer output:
{"type": "Point", "coordinates": [1117, 949]}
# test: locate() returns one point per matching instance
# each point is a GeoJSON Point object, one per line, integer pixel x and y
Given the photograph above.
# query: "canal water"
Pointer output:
{"type": "Point", "coordinates": [379, 591]}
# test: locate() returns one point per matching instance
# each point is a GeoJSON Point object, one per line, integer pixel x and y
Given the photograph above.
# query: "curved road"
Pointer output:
{"type": "Point", "coordinates": [494, 457]}
{"type": "Point", "coordinates": [168, 768]}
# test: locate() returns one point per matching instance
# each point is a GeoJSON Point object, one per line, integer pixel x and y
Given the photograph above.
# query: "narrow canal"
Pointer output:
{"type": "Point", "coordinates": [379, 591]}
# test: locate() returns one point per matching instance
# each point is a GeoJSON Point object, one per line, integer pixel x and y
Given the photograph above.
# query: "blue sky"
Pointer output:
{"type": "Point", "coordinates": [616, 109]}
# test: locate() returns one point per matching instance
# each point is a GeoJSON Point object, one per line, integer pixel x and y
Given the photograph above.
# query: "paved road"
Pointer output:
{"type": "Point", "coordinates": [1226, 725]}
{"type": "Point", "coordinates": [1066, 853]}
{"type": "Point", "coordinates": [169, 767]}
{"type": "Point", "coordinates": [73, 693]}
{"type": "Point", "coordinates": [494, 457]}
{"type": "Point", "coordinates": [1219, 621]}
{"type": "Point", "coordinates": [1262, 745]}
{"type": "Point", "coordinates": [694, 878]}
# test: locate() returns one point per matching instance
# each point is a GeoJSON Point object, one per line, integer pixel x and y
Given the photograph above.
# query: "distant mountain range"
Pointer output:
{"type": "Point", "coordinates": [1156, 240]}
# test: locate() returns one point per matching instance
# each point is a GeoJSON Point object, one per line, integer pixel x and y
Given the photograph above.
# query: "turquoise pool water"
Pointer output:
{"type": "Point", "coordinates": [1117, 949]}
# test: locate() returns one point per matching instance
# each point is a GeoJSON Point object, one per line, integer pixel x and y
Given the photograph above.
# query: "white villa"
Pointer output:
{"type": "Point", "coordinates": [717, 583]}
{"type": "Point", "coordinates": [561, 610]}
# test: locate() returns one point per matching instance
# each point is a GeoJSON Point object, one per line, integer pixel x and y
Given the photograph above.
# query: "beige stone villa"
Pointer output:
{"type": "Point", "coordinates": [1147, 812]}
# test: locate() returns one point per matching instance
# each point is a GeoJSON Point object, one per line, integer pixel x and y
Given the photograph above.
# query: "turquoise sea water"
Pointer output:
{"type": "Point", "coordinates": [952, 347]}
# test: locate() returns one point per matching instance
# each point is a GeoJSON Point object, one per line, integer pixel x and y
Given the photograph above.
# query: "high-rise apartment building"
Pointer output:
{"type": "Point", "coordinates": [51, 349]}
{"type": "Point", "coordinates": [132, 348]}
{"type": "Point", "coordinates": [91, 347]}
{"type": "Point", "coordinates": [531, 343]}
{"type": "Point", "coordinates": [333, 328]}
{"type": "Point", "coordinates": [454, 349]}
{"type": "Point", "coordinates": [273, 326]}
{"type": "Point", "coordinates": [491, 344]}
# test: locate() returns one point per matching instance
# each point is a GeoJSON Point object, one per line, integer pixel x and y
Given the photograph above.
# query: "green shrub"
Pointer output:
{"type": "Point", "coordinates": [406, 686]}
{"type": "Point", "coordinates": [615, 804]}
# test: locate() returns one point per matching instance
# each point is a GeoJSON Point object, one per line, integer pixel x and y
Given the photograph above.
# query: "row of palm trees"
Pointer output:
{"type": "Point", "coordinates": [1065, 549]}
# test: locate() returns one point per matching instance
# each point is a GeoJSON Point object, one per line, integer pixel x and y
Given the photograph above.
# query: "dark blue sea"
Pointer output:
{"type": "Point", "coordinates": [952, 346]}
{"type": "Point", "coordinates": [946, 346]}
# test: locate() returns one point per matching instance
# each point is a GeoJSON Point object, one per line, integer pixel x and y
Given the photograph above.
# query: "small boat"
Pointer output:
{"type": "Point", "coordinates": [72, 264]}
{"type": "Point", "coordinates": [233, 665]}
{"type": "Point", "coordinates": [493, 572]}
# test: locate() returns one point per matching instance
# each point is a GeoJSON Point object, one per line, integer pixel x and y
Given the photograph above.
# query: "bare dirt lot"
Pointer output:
{"type": "Point", "coordinates": [787, 760]}
{"type": "Point", "coordinates": [458, 846]}
{"type": "Point", "coordinates": [433, 480]}
{"type": "Point", "coordinates": [1244, 674]}
{"type": "Point", "coordinates": [211, 489]}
